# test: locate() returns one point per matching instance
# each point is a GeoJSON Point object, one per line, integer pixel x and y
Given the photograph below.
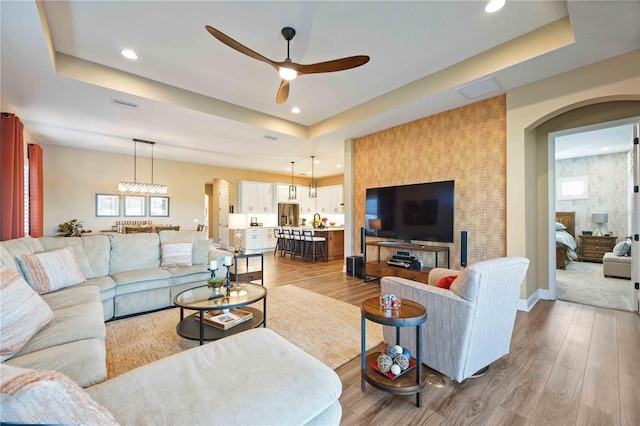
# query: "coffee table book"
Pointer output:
{"type": "Point", "coordinates": [225, 321]}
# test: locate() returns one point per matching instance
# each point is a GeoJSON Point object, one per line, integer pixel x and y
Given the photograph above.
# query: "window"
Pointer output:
{"type": "Point", "coordinates": [572, 188]}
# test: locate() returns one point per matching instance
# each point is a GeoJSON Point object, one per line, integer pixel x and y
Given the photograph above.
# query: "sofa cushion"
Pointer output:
{"type": "Point", "coordinates": [106, 285]}
{"type": "Point", "coordinates": [237, 395]}
{"type": "Point", "coordinates": [51, 271]}
{"type": "Point", "coordinates": [145, 279]}
{"type": "Point", "coordinates": [72, 296]}
{"type": "Point", "coordinates": [130, 252]}
{"type": "Point", "coordinates": [71, 323]}
{"type": "Point", "coordinates": [47, 397]}
{"type": "Point", "coordinates": [176, 252]}
{"type": "Point", "coordinates": [22, 313]}
{"type": "Point", "coordinates": [83, 361]}
{"type": "Point", "coordinates": [11, 249]}
{"type": "Point", "coordinates": [201, 244]}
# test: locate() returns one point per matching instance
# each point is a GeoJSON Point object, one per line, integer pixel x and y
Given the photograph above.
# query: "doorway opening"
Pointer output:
{"type": "Point", "coordinates": [592, 181]}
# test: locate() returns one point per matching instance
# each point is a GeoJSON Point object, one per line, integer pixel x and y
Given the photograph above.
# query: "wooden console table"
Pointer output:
{"type": "Point", "coordinates": [379, 268]}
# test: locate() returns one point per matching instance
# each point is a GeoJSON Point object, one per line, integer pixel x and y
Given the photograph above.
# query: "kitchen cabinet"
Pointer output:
{"type": "Point", "coordinates": [255, 197]}
{"type": "Point", "coordinates": [334, 246]}
{"type": "Point", "coordinates": [258, 238]}
{"type": "Point", "coordinates": [268, 238]}
{"type": "Point", "coordinates": [329, 199]}
{"type": "Point", "coordinates": [282, 194]}
{"type": "Point", "coordinates": [307, 205]}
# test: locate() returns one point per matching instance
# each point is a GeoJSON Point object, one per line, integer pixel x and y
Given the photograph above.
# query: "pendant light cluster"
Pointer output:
{"type": "Point", "coordinates": [293, 193]}
{"type": "Point", "coordinates": [313, 185]}
{"type": "Point", "coordinates": [135, 186]}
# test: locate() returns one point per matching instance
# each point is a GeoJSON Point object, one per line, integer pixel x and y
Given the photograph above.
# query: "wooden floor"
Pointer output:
{"type": "Point", "coordinates": [569, 364]}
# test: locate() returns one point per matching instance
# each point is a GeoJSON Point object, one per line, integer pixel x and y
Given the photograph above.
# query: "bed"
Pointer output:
{"type": "Point", "coordinates": [566, 244]}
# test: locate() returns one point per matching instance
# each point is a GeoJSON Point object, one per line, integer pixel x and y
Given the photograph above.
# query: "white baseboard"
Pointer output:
{"type": "Point", "coordinates": [527, 305]}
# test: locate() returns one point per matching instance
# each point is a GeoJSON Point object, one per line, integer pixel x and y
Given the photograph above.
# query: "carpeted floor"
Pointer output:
{"type": "Point", "coordinates": [583, 282]}
{"type": "Point", "coordinates": [324, 327]}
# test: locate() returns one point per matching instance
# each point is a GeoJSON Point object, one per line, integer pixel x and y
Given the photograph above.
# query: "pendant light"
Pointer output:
{"type": "Point", "coordinates": [292, 188]}
{"type": "Point", "coordinates": [148, 188]}
{"type": "Point", "coordinates": [313, 185]}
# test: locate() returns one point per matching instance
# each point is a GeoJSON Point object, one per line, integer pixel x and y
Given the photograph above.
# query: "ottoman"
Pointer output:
{"type": "Point", "coordinates": [616, 266]}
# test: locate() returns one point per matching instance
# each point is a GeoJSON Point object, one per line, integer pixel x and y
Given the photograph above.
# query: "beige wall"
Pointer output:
{"type": "Point", "coordinates": [528, 109]}
{"type": "Point", "coordinates": [466, 145]}
{"type": "Point", "coordinates": [72, 177]}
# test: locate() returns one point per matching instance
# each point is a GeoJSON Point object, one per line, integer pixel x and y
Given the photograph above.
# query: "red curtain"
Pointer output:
{"type": "Point", "coordinates": [12, 177]}
{"type": "Point", "coordinates": [36, 202]}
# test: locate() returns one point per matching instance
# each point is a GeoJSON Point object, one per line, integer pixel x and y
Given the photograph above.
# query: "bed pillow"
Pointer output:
{"type": "Point", "coordinates": [176, 252]}
{"type": "Point", "coordinates": [560, 227]}
{"type": "Point", "coordinates": [622, 248]}
{"type": "Point", "coordinates": [51, 271]}
{"type": "Point", "coordinates": [48, 397]}
{"type": "Point", "coordinates": [22, 313]}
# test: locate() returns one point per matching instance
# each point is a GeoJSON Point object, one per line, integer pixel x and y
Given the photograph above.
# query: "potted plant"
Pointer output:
{"type": "Point", "coordinates": [73, 228]}
{"type": "Point", "coordinates": [215, 283]}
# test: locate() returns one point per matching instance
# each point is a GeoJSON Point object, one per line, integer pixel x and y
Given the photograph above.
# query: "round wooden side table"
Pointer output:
{"type": "Point", "coordinates": [410, 314]}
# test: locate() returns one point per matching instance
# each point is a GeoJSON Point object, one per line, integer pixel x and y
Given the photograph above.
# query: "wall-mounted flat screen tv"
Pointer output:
{"type": "Point", "coordinates": [422, 212]}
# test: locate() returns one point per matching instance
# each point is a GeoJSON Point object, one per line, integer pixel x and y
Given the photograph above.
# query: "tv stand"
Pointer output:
{"type": "Point", "coordinates": [376, 269]}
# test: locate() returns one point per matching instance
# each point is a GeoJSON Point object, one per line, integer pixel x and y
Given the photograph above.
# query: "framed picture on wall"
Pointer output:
{"type": "Point", "coordinates": [135, 205]}
{"type": "Point", "coordinates": [158, 206]}
{"type": "Point", "coordinates": [107, 205]}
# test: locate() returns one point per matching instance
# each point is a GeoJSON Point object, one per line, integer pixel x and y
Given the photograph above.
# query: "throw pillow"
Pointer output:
{"type": "Point", "coordinates": [51, 271]}
{"type": "Point", "coordinates": [176, 252]}
{"type": "Point", "coordinates": [22, 313]}
{"type": "Point", "coordinates": [49, 397]}
{"type": "Point", "coordinates": [445, 282]}
{"type": "Point", "coordinates": [622, 248]}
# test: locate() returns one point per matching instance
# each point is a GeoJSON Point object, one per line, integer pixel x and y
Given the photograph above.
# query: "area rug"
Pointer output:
{"type": "Point", "coordinates": [584, 282]}
{"type": "Point", "coordinates": [322, 326]}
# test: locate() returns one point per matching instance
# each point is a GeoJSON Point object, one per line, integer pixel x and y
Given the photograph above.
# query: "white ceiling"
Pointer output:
{"type": "Point", "coordinates": [203, 102]}
{"type": "Point", "coordinates": [602, 141]}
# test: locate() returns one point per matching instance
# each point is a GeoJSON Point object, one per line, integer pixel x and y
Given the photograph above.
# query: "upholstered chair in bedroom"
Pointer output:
{"type": "Point", "coordinates": [469, 325]}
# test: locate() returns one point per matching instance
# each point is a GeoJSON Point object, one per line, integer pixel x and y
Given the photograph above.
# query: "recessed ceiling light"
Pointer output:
{"type": "Point", "coordinates": [494, 6]}
{"type": "Point", "coordinates": [295, 110]}
{"type": "Point", "coordinates": [339, 166]}
{"type": "Point", "coordinates": [130, 54]}
{"type": "Point", "coordinates": [605, 148]}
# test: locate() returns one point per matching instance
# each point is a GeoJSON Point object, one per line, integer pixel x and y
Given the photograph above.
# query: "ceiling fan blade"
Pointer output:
{"type": "Point", "coordinates": [283, 92]}
{"type": "Point", "coordinates": [330, 66]}
{"type": "Point", "coordinates": [239, 47]}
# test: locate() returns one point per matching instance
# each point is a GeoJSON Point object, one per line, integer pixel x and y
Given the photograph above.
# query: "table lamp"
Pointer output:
{"type": "Point", "coordinates": [600, 219]}
{"type": "Point", "coordinates": [238, 221]}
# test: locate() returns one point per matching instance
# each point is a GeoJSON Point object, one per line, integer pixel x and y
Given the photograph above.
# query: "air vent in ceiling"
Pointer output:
{"type": "Point", "coordinates": [480, 88]}
{"type": "Point", "coordinates": [122, 103]}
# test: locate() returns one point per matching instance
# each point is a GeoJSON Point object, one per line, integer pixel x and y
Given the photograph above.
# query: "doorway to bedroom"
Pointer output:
{"type": "Point", "coordinates": [594, 207]}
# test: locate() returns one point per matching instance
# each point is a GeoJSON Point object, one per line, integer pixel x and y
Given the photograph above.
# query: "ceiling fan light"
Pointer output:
{"type": "Point", "coordinates": [287, 73]}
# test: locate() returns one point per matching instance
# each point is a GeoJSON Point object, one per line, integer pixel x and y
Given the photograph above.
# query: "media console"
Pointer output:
{"type": "Point", "coordinates": [376, 269]}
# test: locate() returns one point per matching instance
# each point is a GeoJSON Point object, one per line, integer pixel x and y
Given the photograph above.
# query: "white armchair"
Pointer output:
{"type": "Point", "coordinates": [469, 325]}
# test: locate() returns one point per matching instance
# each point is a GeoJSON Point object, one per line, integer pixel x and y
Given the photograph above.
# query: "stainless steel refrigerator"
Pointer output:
{"type": "Point", "coordinates": [288, 214]}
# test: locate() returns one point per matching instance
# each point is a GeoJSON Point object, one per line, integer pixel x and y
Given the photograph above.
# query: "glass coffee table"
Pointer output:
{"type": "Point", "coordinates": [204, 299]}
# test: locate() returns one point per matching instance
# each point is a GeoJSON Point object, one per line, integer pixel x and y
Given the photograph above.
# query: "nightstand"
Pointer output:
{"type": "Point", "coordinates": [593, 247]}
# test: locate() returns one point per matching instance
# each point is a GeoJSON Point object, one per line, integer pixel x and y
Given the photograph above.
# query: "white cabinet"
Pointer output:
{"type": "Point", "coordinates": [268, 238]}
{"type": "Point", "coordinates": [253, 238]}
{"type": "Point", "coordinates": [255, 197]}
{"type": "Point", "coordinates": [329, 199]}
{"type": "Point", "coordinates": [307, 205]}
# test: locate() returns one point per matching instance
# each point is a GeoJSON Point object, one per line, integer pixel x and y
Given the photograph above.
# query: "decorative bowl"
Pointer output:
{"type": "Point", "coordinates": [389, 301]}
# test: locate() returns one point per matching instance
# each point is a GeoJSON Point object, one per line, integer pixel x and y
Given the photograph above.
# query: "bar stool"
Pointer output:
{"type": "Point", "coordinates": [280, 240]}
{"type": "Point", "coordinates": [309, 239]}
{"type": "Point", "coordinates": [287, 241]}
{"type": "Point", "coordinates": [297, 243]}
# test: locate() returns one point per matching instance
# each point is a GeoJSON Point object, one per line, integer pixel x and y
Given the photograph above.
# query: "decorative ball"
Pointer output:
{"type": "Point", "coordinates": [395, 369]}
{"type": "Point", "coordinates": [392, 350]}
{"type": "Point", "coordinates": [402, 361]}
{"type": "Point", "coordinates": [406, 353]}
{"type": "Point", "coordinates": [384, 362]}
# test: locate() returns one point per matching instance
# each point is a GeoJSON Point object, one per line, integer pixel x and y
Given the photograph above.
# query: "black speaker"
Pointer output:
{"type": "Point", "coordinates": [464, 248]}
{"type": "Point", "coordinates": [361, 240]}
{"type": "Point", "coordinates": [354, 266]}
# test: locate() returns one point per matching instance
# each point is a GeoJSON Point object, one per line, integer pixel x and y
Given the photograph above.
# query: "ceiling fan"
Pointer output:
{"type": "Point", "coordinates": [287, 69]}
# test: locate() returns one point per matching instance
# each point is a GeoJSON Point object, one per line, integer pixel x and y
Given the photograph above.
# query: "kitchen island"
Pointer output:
{"type": "Point", "coordinates": [334, 246]}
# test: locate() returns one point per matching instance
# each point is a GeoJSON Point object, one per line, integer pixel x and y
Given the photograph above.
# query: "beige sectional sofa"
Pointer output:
{"type": "Point", "coordinates": [254, 377]}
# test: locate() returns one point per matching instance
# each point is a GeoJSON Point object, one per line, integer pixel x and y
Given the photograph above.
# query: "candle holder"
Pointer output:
{"type": "Point", "coordinates": [228, 284]}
